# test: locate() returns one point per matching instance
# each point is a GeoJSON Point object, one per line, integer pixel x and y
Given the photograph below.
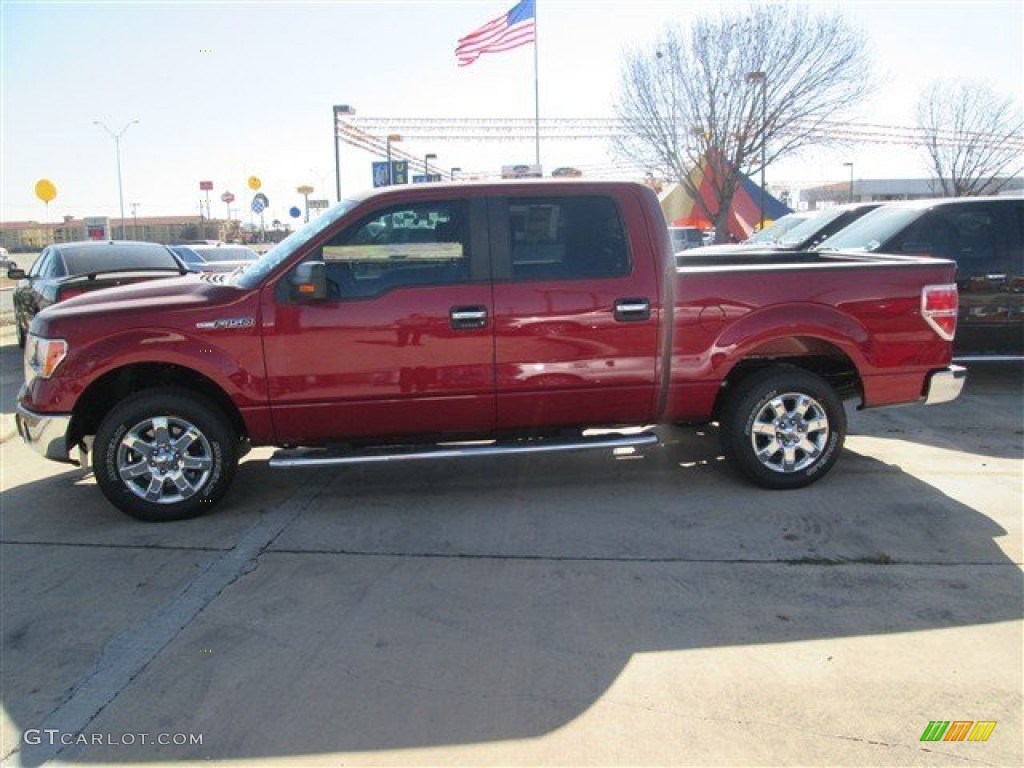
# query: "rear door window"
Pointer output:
{"type": "Point", "coordinates": [566, 238]}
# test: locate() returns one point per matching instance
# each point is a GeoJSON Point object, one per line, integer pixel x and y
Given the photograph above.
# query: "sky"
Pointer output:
{"type": "Point", "coordinates": [224, 91]}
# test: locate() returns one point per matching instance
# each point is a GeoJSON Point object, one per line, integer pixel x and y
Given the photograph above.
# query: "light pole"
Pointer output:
{"type": "Point", "coordinates": [426, 164]}
{"type": "Point", "coordinates": [117, 148]}
{"type": "Point", "coordinates": [851, 180]}
{"type": "Point", "coordinates": [337, 110]}
{"type": "Point", "coordinates": [454, 171]}
{"type": "Point", "coordinates": [392, 137]}
{"type": "Point", "coordinates": [305, 190]}
{"type": "Point", "coordinates": [135, 220]}
{"type": "Point", "coordinates": [760, 78]}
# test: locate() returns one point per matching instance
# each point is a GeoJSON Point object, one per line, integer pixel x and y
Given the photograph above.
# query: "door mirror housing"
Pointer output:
{"type": "Point", "coordinates": [308, 282]}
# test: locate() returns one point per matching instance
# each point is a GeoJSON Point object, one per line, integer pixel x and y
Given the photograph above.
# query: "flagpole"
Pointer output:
{"type": "Point", "coordinates": [536, 87]}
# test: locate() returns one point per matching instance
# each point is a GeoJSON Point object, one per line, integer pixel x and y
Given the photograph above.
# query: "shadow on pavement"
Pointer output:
{"type": "Point", "coordinates": [994, 393]}
{"type": "Point", "coordinates": [472, 602]}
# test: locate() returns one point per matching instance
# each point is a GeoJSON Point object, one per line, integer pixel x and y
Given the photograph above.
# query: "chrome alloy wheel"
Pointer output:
{"type": "Point", "coordinates": [164, 460]}
{"type": "Point", "coordinates": [789, 432]}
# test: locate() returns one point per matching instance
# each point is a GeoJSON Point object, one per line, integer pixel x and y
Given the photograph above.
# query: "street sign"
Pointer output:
{"type": "Point", "coordinates": [206, 185]}
{"type": "Point", "coordinates": [227, 197]}
{"type": "Point", "coordinates": [399, 171]}
{"type": "Point", "coordinates": [97, 227]}
{"type": "Point", "coordinates": [294, 212]}
{"type": "Point", "coordinates": [319, 204]}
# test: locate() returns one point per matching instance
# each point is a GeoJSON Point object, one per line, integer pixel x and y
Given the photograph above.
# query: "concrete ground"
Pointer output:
{"type": "Point", "coordinates": [573, 610]}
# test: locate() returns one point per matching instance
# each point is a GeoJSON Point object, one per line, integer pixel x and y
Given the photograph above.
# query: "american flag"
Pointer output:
{"type": "Point", "coordinates": [508, 31]}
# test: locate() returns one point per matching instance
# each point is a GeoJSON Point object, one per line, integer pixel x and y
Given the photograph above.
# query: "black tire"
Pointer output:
{"type": "Point", "coordinates": [783, 428]}
{"type": "Point", "coordinates": [165, 454]}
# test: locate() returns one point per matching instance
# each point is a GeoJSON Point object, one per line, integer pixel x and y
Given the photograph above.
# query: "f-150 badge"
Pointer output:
{"type": "Point", "coordinates": [228, 322]}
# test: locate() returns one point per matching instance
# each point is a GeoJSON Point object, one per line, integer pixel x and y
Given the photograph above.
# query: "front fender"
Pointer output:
{"type": "Point", "coordinates": [230, 358]}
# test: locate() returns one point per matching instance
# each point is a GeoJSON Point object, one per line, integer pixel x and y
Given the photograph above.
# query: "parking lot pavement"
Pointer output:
{"type": "Point", "coordinates": [583, 609]}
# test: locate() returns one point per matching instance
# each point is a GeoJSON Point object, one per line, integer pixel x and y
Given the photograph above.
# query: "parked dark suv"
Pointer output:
{"type": "Point", "coordinates": [983, 235]}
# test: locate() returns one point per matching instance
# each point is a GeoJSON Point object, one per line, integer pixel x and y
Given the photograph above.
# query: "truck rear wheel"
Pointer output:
{"type": "Point", "coordinates": [165, 454]}
{"type": "Point", "coordinates": [783, 428]}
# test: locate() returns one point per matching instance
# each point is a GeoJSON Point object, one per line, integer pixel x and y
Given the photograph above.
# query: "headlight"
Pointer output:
{"type": "Point", "coordinates": [42, 356]}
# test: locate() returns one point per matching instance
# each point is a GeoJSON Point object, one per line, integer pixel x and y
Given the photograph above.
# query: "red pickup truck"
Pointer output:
{"type": "Point", "coordinates": [455, 320]}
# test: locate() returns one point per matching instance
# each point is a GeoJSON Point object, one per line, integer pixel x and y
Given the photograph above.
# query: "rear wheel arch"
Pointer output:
{"type": "Point", "coordinates": [810, 354]}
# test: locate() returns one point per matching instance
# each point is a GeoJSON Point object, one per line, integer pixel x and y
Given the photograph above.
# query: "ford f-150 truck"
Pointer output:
{"type": "Point", "coordinates": [471, 319]}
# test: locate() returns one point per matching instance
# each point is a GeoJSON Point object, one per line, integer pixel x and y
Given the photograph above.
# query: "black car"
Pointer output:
{"type": "Point", "coordinates": [64, 270]}
{"type": "Point", "coordinates": [984, 236]}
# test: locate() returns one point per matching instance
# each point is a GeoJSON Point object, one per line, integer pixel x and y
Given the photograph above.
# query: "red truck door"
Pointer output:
{"type": "Point", "coordinates": [576, 309]}
{"type": "Point", "coordinates": [403, 345]}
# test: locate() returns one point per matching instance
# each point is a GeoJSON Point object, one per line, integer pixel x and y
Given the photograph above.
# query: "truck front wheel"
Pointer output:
{"type": "Point", "coordinates": [783, 428]}
{"type": "Point", "coordinates": [165, 454]}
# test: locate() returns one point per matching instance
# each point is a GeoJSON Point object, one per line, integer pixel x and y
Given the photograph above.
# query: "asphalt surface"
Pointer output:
{"type": "Point", "coordinates": [571, 610]}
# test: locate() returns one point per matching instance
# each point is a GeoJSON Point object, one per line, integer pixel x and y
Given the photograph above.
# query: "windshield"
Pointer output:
{"type": "Point", "coordinates": [254, 273]}
{"type": "Point", "coordinates": [871, 231]}
{"type": "Point", "coordinates": [227, 253]}
{"type": "Point", "coordinates": [779, 227]}
{"type": "Point", "coordinates": [808, 228]}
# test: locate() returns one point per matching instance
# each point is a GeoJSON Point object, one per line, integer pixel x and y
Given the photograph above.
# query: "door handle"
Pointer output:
{"type": "Point", "coordinates": [632, 310]}
{"type": "Point", "coordinates": [467, 318]}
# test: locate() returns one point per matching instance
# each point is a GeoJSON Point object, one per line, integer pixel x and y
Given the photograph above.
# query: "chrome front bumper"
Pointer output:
{"type": "Point", "coordinates": [945, 385]}
{"type": "Point", "coordinates": [45, 433]}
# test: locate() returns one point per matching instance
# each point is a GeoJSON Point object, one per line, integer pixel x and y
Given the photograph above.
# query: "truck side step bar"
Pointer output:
{"type": "Point", "coordinates": [325, 457]}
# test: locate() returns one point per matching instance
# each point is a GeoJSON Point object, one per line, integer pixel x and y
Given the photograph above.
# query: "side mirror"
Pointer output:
{"type": "Point", "coordinates": [16, 273]}
{"type": "Point", "coordinates": [308, 281]}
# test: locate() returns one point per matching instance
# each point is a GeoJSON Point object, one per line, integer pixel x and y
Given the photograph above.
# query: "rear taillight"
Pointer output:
{"type": "Point", "coordinates": [939, 305]}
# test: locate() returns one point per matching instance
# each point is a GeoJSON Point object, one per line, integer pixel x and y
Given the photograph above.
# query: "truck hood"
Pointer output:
{"type": "Point", "coordinates": [150, 303]}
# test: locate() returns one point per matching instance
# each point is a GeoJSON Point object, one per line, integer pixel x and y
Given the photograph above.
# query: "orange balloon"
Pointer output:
{"type": "Point", "coordinates": [45, 190]}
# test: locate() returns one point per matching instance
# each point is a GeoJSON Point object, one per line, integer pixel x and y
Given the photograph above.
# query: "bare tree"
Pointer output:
{"type": "Point", "coordinates": [973, 138]}
{"type": "Point", "coordinates": [736, 92]}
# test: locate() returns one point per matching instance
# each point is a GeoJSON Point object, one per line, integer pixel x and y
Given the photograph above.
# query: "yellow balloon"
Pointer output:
{"type": "Point", "coordinates": [254, 182]}
{"type": "Point", "coordinates": [45, 190]}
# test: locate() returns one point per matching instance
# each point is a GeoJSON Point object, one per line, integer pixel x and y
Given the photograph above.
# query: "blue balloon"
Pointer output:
{"type": "Point", "coordinates": [294, 212]}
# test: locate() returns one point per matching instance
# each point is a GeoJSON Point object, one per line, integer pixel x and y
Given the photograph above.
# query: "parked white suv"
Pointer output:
{"type": "Point", "coordinates": [684, 238]}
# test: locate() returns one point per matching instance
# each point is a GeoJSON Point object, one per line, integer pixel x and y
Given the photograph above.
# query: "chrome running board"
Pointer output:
{"type": "Point", "coordinates": [326, 457]}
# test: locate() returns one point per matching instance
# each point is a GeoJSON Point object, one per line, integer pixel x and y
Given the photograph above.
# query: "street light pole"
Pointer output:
{"type": "Point", "coordinates": [117, 148]}
{"type": "Point", "coordinates": [392, 137]}
{"type": "Point", "coordinates": [339, 109]}
{"type": "Point", "coordinates": [851, 180]}
{"type": "Point", "coordinates": [761, 79]}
